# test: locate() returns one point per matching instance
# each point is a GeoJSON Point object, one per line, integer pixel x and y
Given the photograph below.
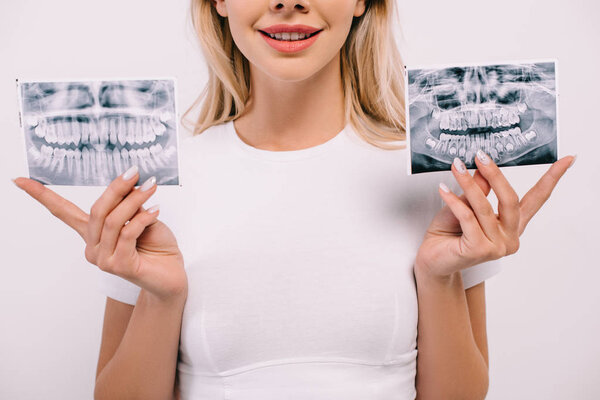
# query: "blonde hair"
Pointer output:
{"type": "Point", "coordinates": [371, 68]}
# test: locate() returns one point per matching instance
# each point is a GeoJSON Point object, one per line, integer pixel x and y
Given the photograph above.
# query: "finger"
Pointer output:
{"type": "Point", "coordinates": [60, 207]}
{"type": "Point", "coordinates": [481, 182]}
{"type": "Point", "coordinates": [463, 213]}
{"type": "Point", "coordinates": [540, 192]}
{"type": "Point", "coordinates": [127, 241]}
{"type": "Point", "coordinates": [508, 199]}
{"type": "Point", "coordinates": [123, 212]}
{"type": "Point", "coordinates": [477, 200]}
{"type": "Point", "coordinates": [114, 193]}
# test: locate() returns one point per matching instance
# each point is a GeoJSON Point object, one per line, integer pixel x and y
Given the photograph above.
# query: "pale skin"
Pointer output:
{"type": "Point", "coordinates": [297, 102]}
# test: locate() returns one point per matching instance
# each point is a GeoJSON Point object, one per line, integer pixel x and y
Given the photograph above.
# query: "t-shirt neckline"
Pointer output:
{"type": "Point", "coordinates": [283, 155]}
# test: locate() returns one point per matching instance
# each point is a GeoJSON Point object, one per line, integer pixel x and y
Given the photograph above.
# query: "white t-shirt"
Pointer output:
{"type": "Point", "coordinates": [300, 268]}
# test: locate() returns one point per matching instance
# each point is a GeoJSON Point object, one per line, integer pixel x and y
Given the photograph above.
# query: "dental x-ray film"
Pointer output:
{"type": "Point", "coordinates": [507, 110]}
{"type": "Point", "coordinates": [87, 133]}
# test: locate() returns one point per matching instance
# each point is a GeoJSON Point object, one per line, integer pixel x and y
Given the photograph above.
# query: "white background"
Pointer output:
{"type": "Point", "coordinates": [543, 309]}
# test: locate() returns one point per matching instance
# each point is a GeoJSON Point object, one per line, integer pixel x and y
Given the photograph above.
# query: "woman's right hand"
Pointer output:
{"type": "Point", "coordinates": [121, 237]}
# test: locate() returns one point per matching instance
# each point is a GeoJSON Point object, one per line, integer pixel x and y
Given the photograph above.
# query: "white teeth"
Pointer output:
{"type": "Point", "coordinates": [473, 119]}
{"type": "Point", "coordinates": [94, 139]}
{"type": "Point", "coordinates": [158, 128]}
{"type": "Point", "coordinates": [147, 158]}
{"type": "Point", "coordinates": [148, 128]}
{"type": "Point", "coordinates": [139, 153]}
{"type": "Point", "coordinates": [130, 138]}
{"type": "Point", "coordinates": [121, 131]}
{"type": "Point", "coordinates": [166, 116]}
{"type": "Point", "coordinates": [101, 163]}
{"type": "Point", "coordinates": [76, 133]}
{"type": "Point", "coordinates": [112, 131]}
{"type": "Point", "coordinates": [93, 165]}
{"type": "Point", "coordinates": [125, 159]}
{"type": "Point", "coordinates": [35, 154]}
{"type": "Point", "coordinates": [77, 160]}
{"type": "Point", "coordinates": [430, 142]}
{"type": "Point", "coordinates": [288, 36]}
{"type": "Point", "coordinates": [51, 134]}
{"type": "Point", "coordinates": [530, 136]}
{"type": "Point", "coordinates": [445, 121]}
{"type": "Point", "coordinates": [85, 132]}
{"type": "Point", "coordinates": [522, 107]}
{"type": "Point", "coordinates": [46, 152]}
{"type": "Point", "coordinates": [32, 121]}
{"type": "Point", "coordinates": [60, 138]}
{"type": "Point", "coordinates": [156, 151]}
{"type": "Point", "coordinates": [58, 159]}
{"type": "Point", "coordinates": [85, 158]}
{"type": "Point", "coordinates": [111, 126]}
{"type": "Point", "coordinates": [133, 157]}
{"type": "Point", "coordinates": [139, 134]}
{"type": "Point", "coordinates": [103, 131]}
{"type": "Point", "coordinates": [40, 131]}
{"type": "Point", "coordinates": [70, 161]}
{"type": "Point", "coordinates": [116, 155]}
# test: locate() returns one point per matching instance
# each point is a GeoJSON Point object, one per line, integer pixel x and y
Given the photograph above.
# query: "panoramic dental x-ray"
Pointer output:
{"type": "Point", "coordinates": [509, 111]}
{"type": "Point", "coordinates": [88, 133]}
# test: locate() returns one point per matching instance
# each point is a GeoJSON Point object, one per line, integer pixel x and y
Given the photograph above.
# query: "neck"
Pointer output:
{"type": "Point", "coordinates": [283, 115]}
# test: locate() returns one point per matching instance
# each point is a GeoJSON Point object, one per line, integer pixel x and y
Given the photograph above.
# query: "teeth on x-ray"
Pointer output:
{"type": "Point", "coordinates": [88, 133]}
{"type": "Point", "coordinates": [508, 111]}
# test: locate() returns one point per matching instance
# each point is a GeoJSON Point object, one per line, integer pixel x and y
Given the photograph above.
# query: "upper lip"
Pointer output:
{"type": "Point", "coordinates": [279, 28]}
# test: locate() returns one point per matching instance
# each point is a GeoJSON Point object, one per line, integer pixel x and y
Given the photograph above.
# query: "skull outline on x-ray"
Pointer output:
{"type": "Point", "coordinates": [509, 111]}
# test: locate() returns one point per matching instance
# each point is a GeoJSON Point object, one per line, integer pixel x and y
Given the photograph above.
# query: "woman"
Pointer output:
{"type": "Point", "coordinates": [311, 260]}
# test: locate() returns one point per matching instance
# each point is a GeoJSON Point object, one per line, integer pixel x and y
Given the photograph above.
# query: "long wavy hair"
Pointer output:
{"type": "Point", "coordinates": [371, 68]}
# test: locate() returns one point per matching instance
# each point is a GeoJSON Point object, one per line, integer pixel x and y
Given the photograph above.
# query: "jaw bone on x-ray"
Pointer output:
{"type": "Point", "coordinates": [508, 111]}
{"type": "Point", "coordinates": [88, 133]}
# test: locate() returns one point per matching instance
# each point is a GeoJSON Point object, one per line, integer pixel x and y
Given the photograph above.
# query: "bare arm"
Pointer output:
{"type": "Point", "coordinates": [144, 362]}
{"type": "Point", "coordinates": [450, 364]}
{"type": "Point", "coordinates": [476, 302]}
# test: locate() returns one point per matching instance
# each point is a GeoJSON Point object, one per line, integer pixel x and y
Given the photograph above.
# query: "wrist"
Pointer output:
{"type": "Point", "coordinates": [424, 275]}
{"type": "Point", "coordinates": [172, 301]}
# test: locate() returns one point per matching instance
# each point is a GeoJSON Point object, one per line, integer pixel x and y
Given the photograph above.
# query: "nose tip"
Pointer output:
{"type": "Point", "coordinates": [289, 5]}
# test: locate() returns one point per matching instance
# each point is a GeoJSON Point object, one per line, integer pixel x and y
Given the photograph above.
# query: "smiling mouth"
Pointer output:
{"type": "Point", "coordinates": [290, 36]}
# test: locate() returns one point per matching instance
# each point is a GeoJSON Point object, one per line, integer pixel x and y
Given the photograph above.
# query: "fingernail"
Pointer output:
{"type": "Point", "coordinates": [153, 209]}
{"type": "Point", "coordinates": [573, 162]}
{"type": "Point", "coordinates": [460, 166]}
{"type": "Point", "coordinates": [130, 173]}
{"type": "Point", "coordinates": [485, 160]}
{"type": "Point", "coordinates": [148, 184]}
{"type": "Point", "coordinates": [444, 187]}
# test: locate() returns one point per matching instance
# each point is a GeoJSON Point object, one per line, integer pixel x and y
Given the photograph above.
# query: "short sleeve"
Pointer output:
{"type": "Point", "coordinates": [118, 288]}
{"type": "Point", "coordinates": [477, 273]}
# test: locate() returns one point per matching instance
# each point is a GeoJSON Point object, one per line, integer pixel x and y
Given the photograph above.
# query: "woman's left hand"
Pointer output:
{"type": "Point", "coordinates": [467, 231]}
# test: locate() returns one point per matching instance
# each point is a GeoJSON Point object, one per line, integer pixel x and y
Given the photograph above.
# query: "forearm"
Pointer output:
{"type": "Point", "coordinates": [449, 364]}
{"type": "Point", "coordinates": [144, 365]}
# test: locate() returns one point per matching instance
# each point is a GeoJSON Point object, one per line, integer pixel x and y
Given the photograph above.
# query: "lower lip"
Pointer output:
{"type": "Point", "coordinates": [290, 46]}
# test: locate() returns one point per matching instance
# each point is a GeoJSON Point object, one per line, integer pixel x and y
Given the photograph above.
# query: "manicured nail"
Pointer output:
{"type": "Point", "coordinates": [573, 162]}
{"type": "Point", "coordinates": [153, 209]}
{"type": "Point", "coordinates": [130, 173]}
{"type": "Point", "coordinates": [460, 166]}
{"type": "Point", "coordinates": [148, 184]}
{"type": "Point", "coordinates": [444, 187]}
{"type": "Point", "coordinates": [485, 160]}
